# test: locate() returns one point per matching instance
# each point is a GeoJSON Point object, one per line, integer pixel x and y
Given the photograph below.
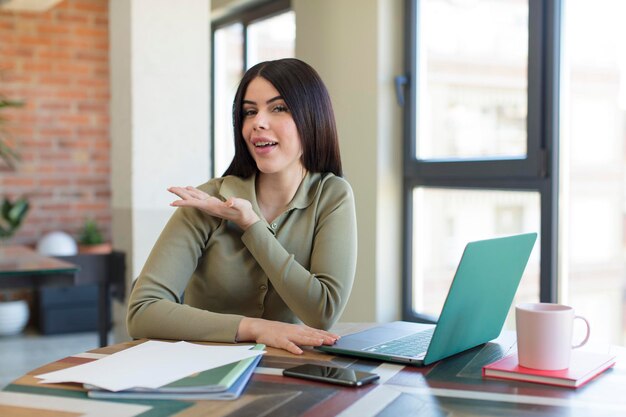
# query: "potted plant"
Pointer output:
{"type": "Point", "coordinates": [8, 156]}
{"type": "Point", "coordinates": [90, 239]}
{"type": "Point", "coordinates": [14, 313]}
{"type": "Point", "coordinates": [12, 213]}
{"type": "Point", "coordinates": [14, 309]}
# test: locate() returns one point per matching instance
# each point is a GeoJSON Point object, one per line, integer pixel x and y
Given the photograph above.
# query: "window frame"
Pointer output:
{"type": "Point", "coordinates": [245, 16]}
{"type": "Point", "coordinates": [538, 171]}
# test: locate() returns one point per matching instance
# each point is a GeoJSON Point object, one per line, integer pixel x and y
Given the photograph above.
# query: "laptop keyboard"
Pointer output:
{"type": "Point", "coordinates": [411, 345]}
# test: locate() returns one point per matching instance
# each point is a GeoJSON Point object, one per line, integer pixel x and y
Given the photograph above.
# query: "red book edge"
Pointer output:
{"type": "Point", "coordinates": [508, 368]}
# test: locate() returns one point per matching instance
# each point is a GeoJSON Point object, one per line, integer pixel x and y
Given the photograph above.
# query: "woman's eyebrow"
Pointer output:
{"type": "Point", "coordinates": [267, 102]}
{"type": "Point", "coordinates": [274, 99]}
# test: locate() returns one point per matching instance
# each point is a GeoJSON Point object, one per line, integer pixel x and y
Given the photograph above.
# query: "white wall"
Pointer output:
{"type": "Point", "coordinates": [356, 45]}
{"type": "Point", "coordinates": [159, 117]}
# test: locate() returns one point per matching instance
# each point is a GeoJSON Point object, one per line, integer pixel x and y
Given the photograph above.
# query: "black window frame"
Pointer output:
{"type": "Point", "coordinates": [245, 16]}
{"type": "Point", "coordinates": [538, 172]}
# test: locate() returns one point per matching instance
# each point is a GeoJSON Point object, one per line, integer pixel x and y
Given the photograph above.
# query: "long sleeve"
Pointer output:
{"type": "Point", "coordinates": [319, 294]}
{"type": "Point", "coordinates": [155, 309]}
{"type": "Point", "coordinates": [300, 268]}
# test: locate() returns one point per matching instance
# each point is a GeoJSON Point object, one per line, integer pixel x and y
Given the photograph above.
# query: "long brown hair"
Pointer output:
{"type": "Point", "coordinates": [309, 103]}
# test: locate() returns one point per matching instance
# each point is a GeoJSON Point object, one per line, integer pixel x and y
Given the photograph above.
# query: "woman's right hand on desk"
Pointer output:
{"type": "Point", "coordinates": [283, 335]}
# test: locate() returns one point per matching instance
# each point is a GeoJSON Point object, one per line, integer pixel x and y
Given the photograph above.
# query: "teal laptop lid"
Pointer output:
{"type": "Point", "coordinates": [480, 295]}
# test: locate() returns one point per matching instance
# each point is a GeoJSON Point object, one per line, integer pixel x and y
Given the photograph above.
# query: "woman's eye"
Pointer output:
{"type": "Point", "coordinates": [280, 108]}
{"type": "Point", "coordinates": [249, 112]}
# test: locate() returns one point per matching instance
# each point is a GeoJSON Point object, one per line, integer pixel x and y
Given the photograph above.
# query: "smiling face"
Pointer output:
{"type": "Point", "coordinates": [270, 133]}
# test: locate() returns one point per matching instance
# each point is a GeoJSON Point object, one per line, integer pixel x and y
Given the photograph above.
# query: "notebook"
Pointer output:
{"type": "Point", "coordinates": [583, 367]}
{"type": "Point", "coordinates": [474, 312]}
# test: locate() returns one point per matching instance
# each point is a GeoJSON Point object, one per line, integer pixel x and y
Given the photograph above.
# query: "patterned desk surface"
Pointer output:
{"type": "Point", "coordinates": [453, 387]}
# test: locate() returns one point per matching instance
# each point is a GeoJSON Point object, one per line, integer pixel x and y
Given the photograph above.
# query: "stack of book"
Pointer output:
{"type": "Point", "coordinates": [224, 383]}
{"type": "Point", "coordinates": [584, 366]}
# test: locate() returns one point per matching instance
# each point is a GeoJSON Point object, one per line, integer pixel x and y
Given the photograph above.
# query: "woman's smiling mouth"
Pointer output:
{"type": "Point", "coordinates": [263, 144]}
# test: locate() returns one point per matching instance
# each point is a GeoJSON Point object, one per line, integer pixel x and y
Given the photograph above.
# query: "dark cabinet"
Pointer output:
{"type": "Point", "coordinates": [78, 308]}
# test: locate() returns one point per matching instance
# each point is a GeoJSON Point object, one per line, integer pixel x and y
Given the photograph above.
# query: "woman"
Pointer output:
{"type": "Point", "coordinates": [270, 244]}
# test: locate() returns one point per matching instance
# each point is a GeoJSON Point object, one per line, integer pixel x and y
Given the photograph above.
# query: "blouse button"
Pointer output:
{"type": "Point", "coordinates": [274, 226]}
{"type": "Point", "coordinates": [263, 287]}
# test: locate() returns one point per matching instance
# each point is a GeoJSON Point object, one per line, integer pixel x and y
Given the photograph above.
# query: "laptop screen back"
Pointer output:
{"type": "Point", "coordinates": [480, 294]}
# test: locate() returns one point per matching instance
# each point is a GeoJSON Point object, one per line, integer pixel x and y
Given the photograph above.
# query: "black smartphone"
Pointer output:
{"type": "Point", "coordinates": [331, 374]}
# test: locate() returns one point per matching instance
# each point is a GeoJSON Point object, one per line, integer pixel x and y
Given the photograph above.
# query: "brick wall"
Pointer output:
{"type": "Point", "coordinates": [57, 62]}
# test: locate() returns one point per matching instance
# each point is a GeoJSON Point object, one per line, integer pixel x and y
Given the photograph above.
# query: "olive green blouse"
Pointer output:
{"type": "Point", "coordinates": [298, 268]}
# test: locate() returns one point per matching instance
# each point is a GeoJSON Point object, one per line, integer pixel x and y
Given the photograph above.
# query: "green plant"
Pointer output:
{"type": "Point", "coordinates": [90, 234]}
{"type": "Point", "coordinates": [11, 216]}
{"type": "Point", "coordinates": [7, 153]}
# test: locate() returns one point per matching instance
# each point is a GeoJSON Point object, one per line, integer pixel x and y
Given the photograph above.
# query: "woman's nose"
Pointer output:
{"type": "Point", "coordinates": [260, 121]}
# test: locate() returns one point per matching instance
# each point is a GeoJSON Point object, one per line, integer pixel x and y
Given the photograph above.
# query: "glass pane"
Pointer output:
{"type": "Point", "coordinates": [272, 38]}
{"type": "Point", "coordinates": [445, 220]}
{"type": "Point", "coordinates": [593, 130]}
{"type": "Point", "coordinates": [472, 89]}
{"type": "Point", "coordinates": [228, 64]}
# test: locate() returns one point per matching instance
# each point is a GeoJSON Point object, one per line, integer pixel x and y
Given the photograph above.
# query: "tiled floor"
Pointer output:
{"type": "Point", "coordinates": [22, 353]}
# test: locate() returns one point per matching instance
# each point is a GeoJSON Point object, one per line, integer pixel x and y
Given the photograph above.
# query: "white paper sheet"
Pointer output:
{"type": "Point", "coordinates": [150, 365]}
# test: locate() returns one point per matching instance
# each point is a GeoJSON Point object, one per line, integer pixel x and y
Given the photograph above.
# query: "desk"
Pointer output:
{"type": "Point", "coordinates": [22, 267]}
{"type": "Point", "coordinates": [452, 387]}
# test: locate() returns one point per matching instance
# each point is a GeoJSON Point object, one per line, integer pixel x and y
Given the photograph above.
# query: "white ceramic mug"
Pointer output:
{"type": "Point", "coordinates": [544, 335]}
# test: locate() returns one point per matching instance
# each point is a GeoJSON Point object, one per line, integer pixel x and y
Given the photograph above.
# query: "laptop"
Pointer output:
{"type": "Point", "coordinates": [474, 311]}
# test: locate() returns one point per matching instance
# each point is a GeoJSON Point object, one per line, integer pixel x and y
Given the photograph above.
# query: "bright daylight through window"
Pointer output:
{"type": "Point", "coordinates": [474, 102]}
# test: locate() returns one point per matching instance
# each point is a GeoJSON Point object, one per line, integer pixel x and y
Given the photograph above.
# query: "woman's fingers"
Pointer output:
{"type": "Point", "coordinates": [188, 193]}
{"type": "Point", "coordinates": [326, 337]}
{"type": "Point", "coordinates": [179, 191]}
{"type": "Point", "coordinates": [294, 336]}
{"type": "Point", "coordinates": [292, 348]}
{"type": "Point", "coordinates": [287, 336]}
{"type": "Point", "coordinates": [195, 193]}
{"type": "Point", "coordinates": [237, 210]}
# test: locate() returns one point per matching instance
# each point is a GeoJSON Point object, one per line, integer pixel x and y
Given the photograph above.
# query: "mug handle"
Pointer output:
{"type": "Point", "coordinates": [588, 332]}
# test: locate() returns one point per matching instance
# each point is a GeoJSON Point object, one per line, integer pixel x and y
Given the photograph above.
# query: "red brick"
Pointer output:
{"type": "Point", "coordinates": [31, 40]}
{"type": "Point", "coordinates": [55, 105]}
{"type": "Point", "coordinates": [52, 54]}
{"type": "Point", "coordinates": [93, 107]}
{"type": "Point", "coordinates": [93, 82]}
{"type": "Point", "coordinates": [57, 62]}
{"type": "Point", "coordinates": [47, 29]}
{"type": "Point", "coordinates": [55, 79]}
{"type": "Point", "coordinates": [19, 182]}
{"type": "Point", "coordinates": [7, 25]}
{"type": "Point", "coordinates": [74, 119]}
{"type": "Point", "coordinates": [92, 55]}
{"type": "Point", "coordinates": [73, 68]}
{"type": "Point", "coordinates": [92, 131]}
{"type": "Point", "coordinates": [48, 131]}
{"type": "Point", "coordinates": [101, 21]}
{"type": "Point", "coordinates": [92, 182]}
{"type": "Point", "coordinates": [87, 32]}
{"type": "Point", "coordinates": [42, 66]}
{"type": "Point", "coordinates": [74, 43]}
{"type": "Point", "coordinates": [70, 17]}
{"type": "Point", "coordinates": [72, 94]}
{"type": "Point", "coordinates": [90, 6]}
{"type": "Point", "coordinates": [14, 77]}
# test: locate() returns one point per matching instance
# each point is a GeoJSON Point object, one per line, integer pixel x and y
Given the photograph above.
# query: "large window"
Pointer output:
{"type": "Point", "coordinates": [480, 133]}
{"type": "Point", "coordinates": [593, 180]}
{"type": "Point", "coordinates": [517, 122]}
{"type": "Point", "coordinates": [240, 41]}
